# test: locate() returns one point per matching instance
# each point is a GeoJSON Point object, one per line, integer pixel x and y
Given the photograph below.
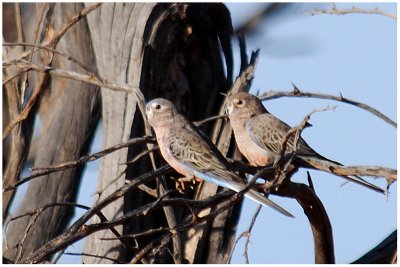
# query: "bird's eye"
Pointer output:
{"type": "Point", "coordinates": [238, 102]}
{"type": "Point", "coordinates": [157, 106]}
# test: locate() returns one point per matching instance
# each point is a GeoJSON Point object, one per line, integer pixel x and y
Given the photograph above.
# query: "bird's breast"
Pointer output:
{"type": "Point", "coordinates": [256, 155]}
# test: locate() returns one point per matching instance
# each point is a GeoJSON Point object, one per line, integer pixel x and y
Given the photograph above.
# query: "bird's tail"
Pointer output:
{"type": "Point", "coordinates": [323, 163]}
{"type": "Point", "coordinates": [254, 195]}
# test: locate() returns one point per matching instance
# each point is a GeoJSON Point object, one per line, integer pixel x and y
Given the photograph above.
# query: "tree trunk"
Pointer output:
{"type": "Point", "coordinates": [69, 113]}
{"type": "Point", "coordinates": [171, 51]}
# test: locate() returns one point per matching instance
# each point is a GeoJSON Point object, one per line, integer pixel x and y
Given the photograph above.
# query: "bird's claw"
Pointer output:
{"type": "Point", "coordinates": [182, 183]}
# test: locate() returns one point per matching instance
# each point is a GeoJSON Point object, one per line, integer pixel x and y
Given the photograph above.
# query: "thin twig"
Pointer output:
{"type": "Point", "coordinates": [68, 57]}
{"type": "Point", "coordinates": [79, 230]}
{"type": "Point", "coordinates": [39, 86]}
{"type": "Point", "coordinates": [41, 171]}
{"type": "Point", "coordinates": [285, 165]}
{"type": "Point", "coordinates": [71, 22]}
{"type": "Point", "coordinates": [213, 118]}
{"type": "Point", "coordinates": [86, 78]}
{"type": "Point", "coordinates": [149, 247]}
{"type": "Point", "coordinates": [140, 155]}
{"type": "Point", "coordinates": [246, 234]}
{"type": "Point", "coordinates": [39, 210]}
{"type": "Point", "coordinates": [353, 10]}
{"type": "Point", "coordinates": [317, 217]}
{"type": "Point", "coordinates": [375, 171]}
{"type": "Point", "coordinates": [145, 233]}
{"type": "Point", "coordinates": [253, 221]}
{"type": "Point", "coordinates": [297, 93]}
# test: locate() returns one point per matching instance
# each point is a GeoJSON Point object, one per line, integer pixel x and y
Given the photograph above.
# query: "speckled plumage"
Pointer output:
{"type": "Point", "coordinates": [190, 153]}
{"type": "Point", "coordinates": [259, 135]}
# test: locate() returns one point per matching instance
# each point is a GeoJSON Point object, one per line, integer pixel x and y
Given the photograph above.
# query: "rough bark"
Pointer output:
{"type": "Point", "coordinates": [16, 147]}
{"type": "Point", "coordinates": [116, 31]}
{"type": "Point", "coordinates": [170, 51]}
{"type": "Point", "coordinates": [69, 113]}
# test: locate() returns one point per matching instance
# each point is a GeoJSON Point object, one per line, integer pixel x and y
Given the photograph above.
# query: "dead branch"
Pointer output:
{"type": "Point", "coordinates": [41, 171]}
{"type": "Point", "coordinates": [246, 234]}
{"type": "Point", "coordinates": [353, 10]}
{"type": "Point", "coordinates": [39, 87]}
{"type": "Point", "coordinates": [297, 93]}
{"type": "Point", "coordinates": [68, 57]}
{"type": "Point", "coordinates": [87, 78]}
{"type": "Point", "coordinates": [213, 118]}
{"type": "Point", "coordinates": [317, 216]}
{"type": "Point", "coordinates": [71, 22]}
{"type": "Point", "coordinates": [374, 171]}
{"type": "Point", "coordinates": [284, 163]}
{"type": "Point", "coordinates": [139, 256]}
{"type": "Point", "coordinates": [38, 211]}
{"type": "Point", "coordinates": [79, 230]}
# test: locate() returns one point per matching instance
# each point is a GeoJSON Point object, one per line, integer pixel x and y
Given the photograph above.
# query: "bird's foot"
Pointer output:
{"type": "Point", "coordinates": [183, 184]}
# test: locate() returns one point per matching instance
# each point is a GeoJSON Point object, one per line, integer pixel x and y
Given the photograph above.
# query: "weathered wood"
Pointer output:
{"type": "Point", "coordinates": [16, 148]}
{"type": "Point", "coordinates": [116, 32]}
{"type": "Point", "coordinates": [317, 216]}
{"type": "Point", "coordinates": [170, 51]}
{"type": "Point", "coordinates": [69, 113]}
{"type": "Point", "coordinates": [19, 141]}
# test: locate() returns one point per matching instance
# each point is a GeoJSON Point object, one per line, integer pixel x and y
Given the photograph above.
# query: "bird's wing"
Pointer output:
{"type": "Point", "coordinates": [268, 132]}
{"type": "Point", "coordinates": [190, 149]}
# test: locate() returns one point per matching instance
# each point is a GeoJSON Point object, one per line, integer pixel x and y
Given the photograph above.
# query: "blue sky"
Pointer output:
{"type": "Point", "coordinates": [354, 55]}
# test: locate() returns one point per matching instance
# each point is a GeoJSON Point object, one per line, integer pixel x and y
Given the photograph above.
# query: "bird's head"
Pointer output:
{"type": "Point", "coordinates": [160, 112]}
{"type": "Point", "coordinates": [243, 105]}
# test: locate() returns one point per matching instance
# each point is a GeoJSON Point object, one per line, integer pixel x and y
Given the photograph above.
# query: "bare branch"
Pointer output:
{"type": "Point", "coordinates": [317, 216]}
{"type": "Point", "coordinates": [353, 10]}
{"type": "Point", "coordinates": [39, 86]}
{"type": "Point", "coordinates": [71, 22]}
{"type": "Point", "coordinates": [246, 234]}
{"type": "Point", "coordinates": [375, 171]}
{"type": "Point", "coordinates": [87, 78]}
{"type": "Point", "coordinates": [79, 230]}
{"type": "Point", "coordinates": [39, 210]}
{"type": "Point", "coordinates": [285, 165]}
{"type": "Point", "coordinates": [41, 171]}
{"type": "Point", "coordinates": [297, 93]}
{"type": "Point", "coordinates": [213, 118]}
{"type": "Point", "coordinates": [68, 57]}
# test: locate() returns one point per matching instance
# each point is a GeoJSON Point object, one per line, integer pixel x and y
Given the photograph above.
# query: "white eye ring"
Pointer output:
{"type": "Point", "coordinates": [157, 106]}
